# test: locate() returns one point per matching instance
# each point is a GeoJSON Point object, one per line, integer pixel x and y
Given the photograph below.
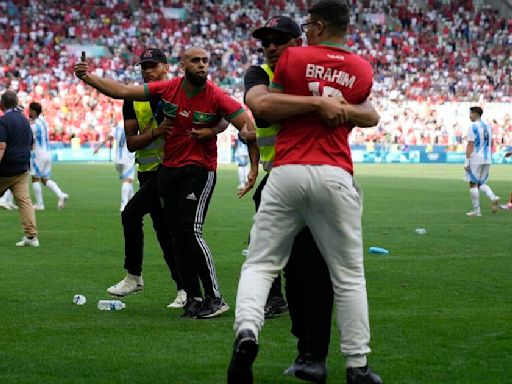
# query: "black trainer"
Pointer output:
{"type": "Point", "coordinates": [312, 369]}
{"type": "Point", "coordinates": [275, 306]}
{"type": "Point", "coordinates": [290, 371]}
{"type": "Point", "coordinates": [192, 308]}
{"type": "Point", "coordinates": [363, 375]}
{"type": "Point", "coordinates": [308, 368]}
{"type": "Point", "coordinates": [245, 350]}
{"type": "Point", "coordinates": [212, 306]}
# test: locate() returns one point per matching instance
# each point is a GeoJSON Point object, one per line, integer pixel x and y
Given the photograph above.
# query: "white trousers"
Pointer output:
{"type": "Point", "coordinates": [327, 200]}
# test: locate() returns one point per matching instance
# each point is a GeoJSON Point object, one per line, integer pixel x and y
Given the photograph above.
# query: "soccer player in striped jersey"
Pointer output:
{"type": "Point", "coordinates": [41, 159]}
{"type": "Point", "coordinates": [124, 161]}
{"type": "Point", "coordinates": [478, 161]}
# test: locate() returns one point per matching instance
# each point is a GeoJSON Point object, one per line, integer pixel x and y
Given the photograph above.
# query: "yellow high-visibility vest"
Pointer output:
{"type": "Point", "coordinates": [266, 137]}
{"type": "Point", "coordinates": [149, 157]}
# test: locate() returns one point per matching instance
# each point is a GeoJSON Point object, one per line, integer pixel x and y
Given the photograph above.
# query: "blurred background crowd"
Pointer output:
{"type": "Point", "coordinates": [431, 58]}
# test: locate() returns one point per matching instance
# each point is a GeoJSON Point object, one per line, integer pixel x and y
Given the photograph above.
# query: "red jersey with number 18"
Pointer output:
{"type": "Point", "coordinates": [202, 108]}
{"type": "Point", "coordinates": [326, 70]}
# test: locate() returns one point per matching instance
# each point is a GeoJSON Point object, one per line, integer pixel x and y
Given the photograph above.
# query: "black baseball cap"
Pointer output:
{"type": "Point", "coordinates": [153, 55]}
{"type": "Point", "coordinates": [282, 24]}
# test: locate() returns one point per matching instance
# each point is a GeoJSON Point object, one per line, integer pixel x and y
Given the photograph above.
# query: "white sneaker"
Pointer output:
{"type": "Point", "coordinates": [473, 214]}
{"type": "Point", "coordinates": [6, 205]}
{"type": "Point", "coordinates": [62, 201]}
{"type": "Point", "coordinates": [507, 206]}
{"type": "Point", "coordinates": [38, 207]}
{"type": "Point", "coordinates": [130, 284]}
{"type": "Point", "coordinates": [26, 242]}
{"type": "Point", "coordinates": [180, 300]}
{"type": "Point", "coordinates": [495, 205]}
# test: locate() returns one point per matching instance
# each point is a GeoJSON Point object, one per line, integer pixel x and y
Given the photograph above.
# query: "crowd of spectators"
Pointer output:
{"type": "Point", "coordinates": [410, 123]}
{"type": "Point", "coordinates": [447, 52]}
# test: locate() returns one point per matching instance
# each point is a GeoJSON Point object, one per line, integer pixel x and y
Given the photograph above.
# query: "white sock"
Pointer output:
{"type": "Point", "coordinates": [126, 192]}
{"type": "Point", "coordinates": [475, 199]}
{"type": "Point", "coordinates": [132, 192]}
{"type": "Point", "coordinates": [38, 192]}
{"type": "Point", "coordinates": [8, 197]}
{"type": "Point", "coordinates": [246, 173]}
{"type": "Point", "coordinates": [488, 192]}
{"type": "Point", "coordinates": [241, 175]}
{"type": "Point", "coordinates": [52, 185]}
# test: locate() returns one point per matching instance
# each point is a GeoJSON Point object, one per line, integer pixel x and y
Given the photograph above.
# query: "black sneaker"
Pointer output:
{"type": "Point", "coordinates": [245, 350]}
{"type": "Point", "coordinates": [212, 306]}
{"type": "Point", "coordinates": [363, 375]}
{"type": "Point", "coordinates": [275, 306]}
{"type": "Point", "coordinates": [290, 371]}
{"type": "Point", "coordinates": [192, 308]}
{"type": "Point", "coordinates": [308, 368]}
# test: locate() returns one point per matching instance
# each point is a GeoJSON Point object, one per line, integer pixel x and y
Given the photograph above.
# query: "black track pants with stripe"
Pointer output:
{"type": "Point", "coordinates": [185, 193]}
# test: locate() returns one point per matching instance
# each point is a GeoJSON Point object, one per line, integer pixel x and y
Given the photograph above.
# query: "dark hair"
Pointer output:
{"type": "Point", "coordinates": [478, 110]}
{"type": "Point", "coordinates": [9, 100]}
{"type": "Point", "coordinates": [36, 107]}
{"type": "Point", "coordinates": [335, 13]}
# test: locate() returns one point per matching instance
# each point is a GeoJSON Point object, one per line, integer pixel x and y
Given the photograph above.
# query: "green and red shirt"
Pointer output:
{"type": "Point", "coordinates": [322, 70]}
{"type": "Point", "coordinates": [202, 108]}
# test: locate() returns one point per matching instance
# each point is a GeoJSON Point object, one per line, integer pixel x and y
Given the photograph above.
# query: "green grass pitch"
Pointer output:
{"type": "Point", "coordinates": [440, 304]}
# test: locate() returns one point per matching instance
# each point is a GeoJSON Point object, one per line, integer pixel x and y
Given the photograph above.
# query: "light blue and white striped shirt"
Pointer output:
{"type": "Point", "coordinates": [122, 155]}
{"type": "Point", "coordinates": [481, 134]}
{"type": "Point", "coordinates": [41, 136]}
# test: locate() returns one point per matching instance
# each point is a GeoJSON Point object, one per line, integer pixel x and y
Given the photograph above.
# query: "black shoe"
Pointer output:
{"type": "Point", "coordinates": [275, 306]}
{"type": "Point", "coordinates": [362, 375]}
{"type": "Point", "coordinates": [192, 308]}
{"type": "Point", "coordinates": [290, 371]}
{"type": "Point", "coordinates": [212, 306]}
{"type": "Point", "coordinates": [245, 350]}
{"type": "Point", "coordinates": [308, 368]}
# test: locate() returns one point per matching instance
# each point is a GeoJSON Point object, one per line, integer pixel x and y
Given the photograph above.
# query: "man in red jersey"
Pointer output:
{"type": "Point", "coordinates": [187, 177]}
{"type": "Point", "coordinates": [311, 184]}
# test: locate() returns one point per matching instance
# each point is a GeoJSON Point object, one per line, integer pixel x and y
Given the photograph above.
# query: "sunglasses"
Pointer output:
{"type": "Point", "coordinates": [304, 27]}
{"type": "Point", "coordinates": [276, 40]}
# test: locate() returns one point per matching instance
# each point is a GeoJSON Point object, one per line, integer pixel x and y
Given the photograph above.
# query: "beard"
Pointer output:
{"type": "Point", "coordinates": [196, 80]}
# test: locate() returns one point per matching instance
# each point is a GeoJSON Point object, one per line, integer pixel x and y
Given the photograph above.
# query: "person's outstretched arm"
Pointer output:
{"type": "Point", "coordinates": [110, 87]}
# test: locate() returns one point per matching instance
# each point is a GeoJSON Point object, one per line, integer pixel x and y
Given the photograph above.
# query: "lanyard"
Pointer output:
{"type": "Point", "coordinates": [158, 108]}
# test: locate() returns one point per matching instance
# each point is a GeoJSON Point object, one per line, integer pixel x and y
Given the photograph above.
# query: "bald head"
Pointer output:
{"type": "Point", "coordinates": [195, 64]}
{"type": "Point", "coordinates": [194, 51]}
{"type": "Point", "coordinates": [9, 100]}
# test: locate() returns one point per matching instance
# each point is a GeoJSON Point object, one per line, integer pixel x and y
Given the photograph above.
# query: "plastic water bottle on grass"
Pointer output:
{"type": "Point", "coordinates": [110, 305]}
{"type": "Point", "coordinates": [79, 299]}
{"type": "Point", "coordinates": [378, 250]}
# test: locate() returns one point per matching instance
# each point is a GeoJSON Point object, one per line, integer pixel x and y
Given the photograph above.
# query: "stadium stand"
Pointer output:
{"type": "Point", "coordinates": [426, 54]}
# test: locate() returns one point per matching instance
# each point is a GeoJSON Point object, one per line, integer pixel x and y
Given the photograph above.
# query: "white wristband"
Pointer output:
{"type": "Point", "coordinates": [466, 162]}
